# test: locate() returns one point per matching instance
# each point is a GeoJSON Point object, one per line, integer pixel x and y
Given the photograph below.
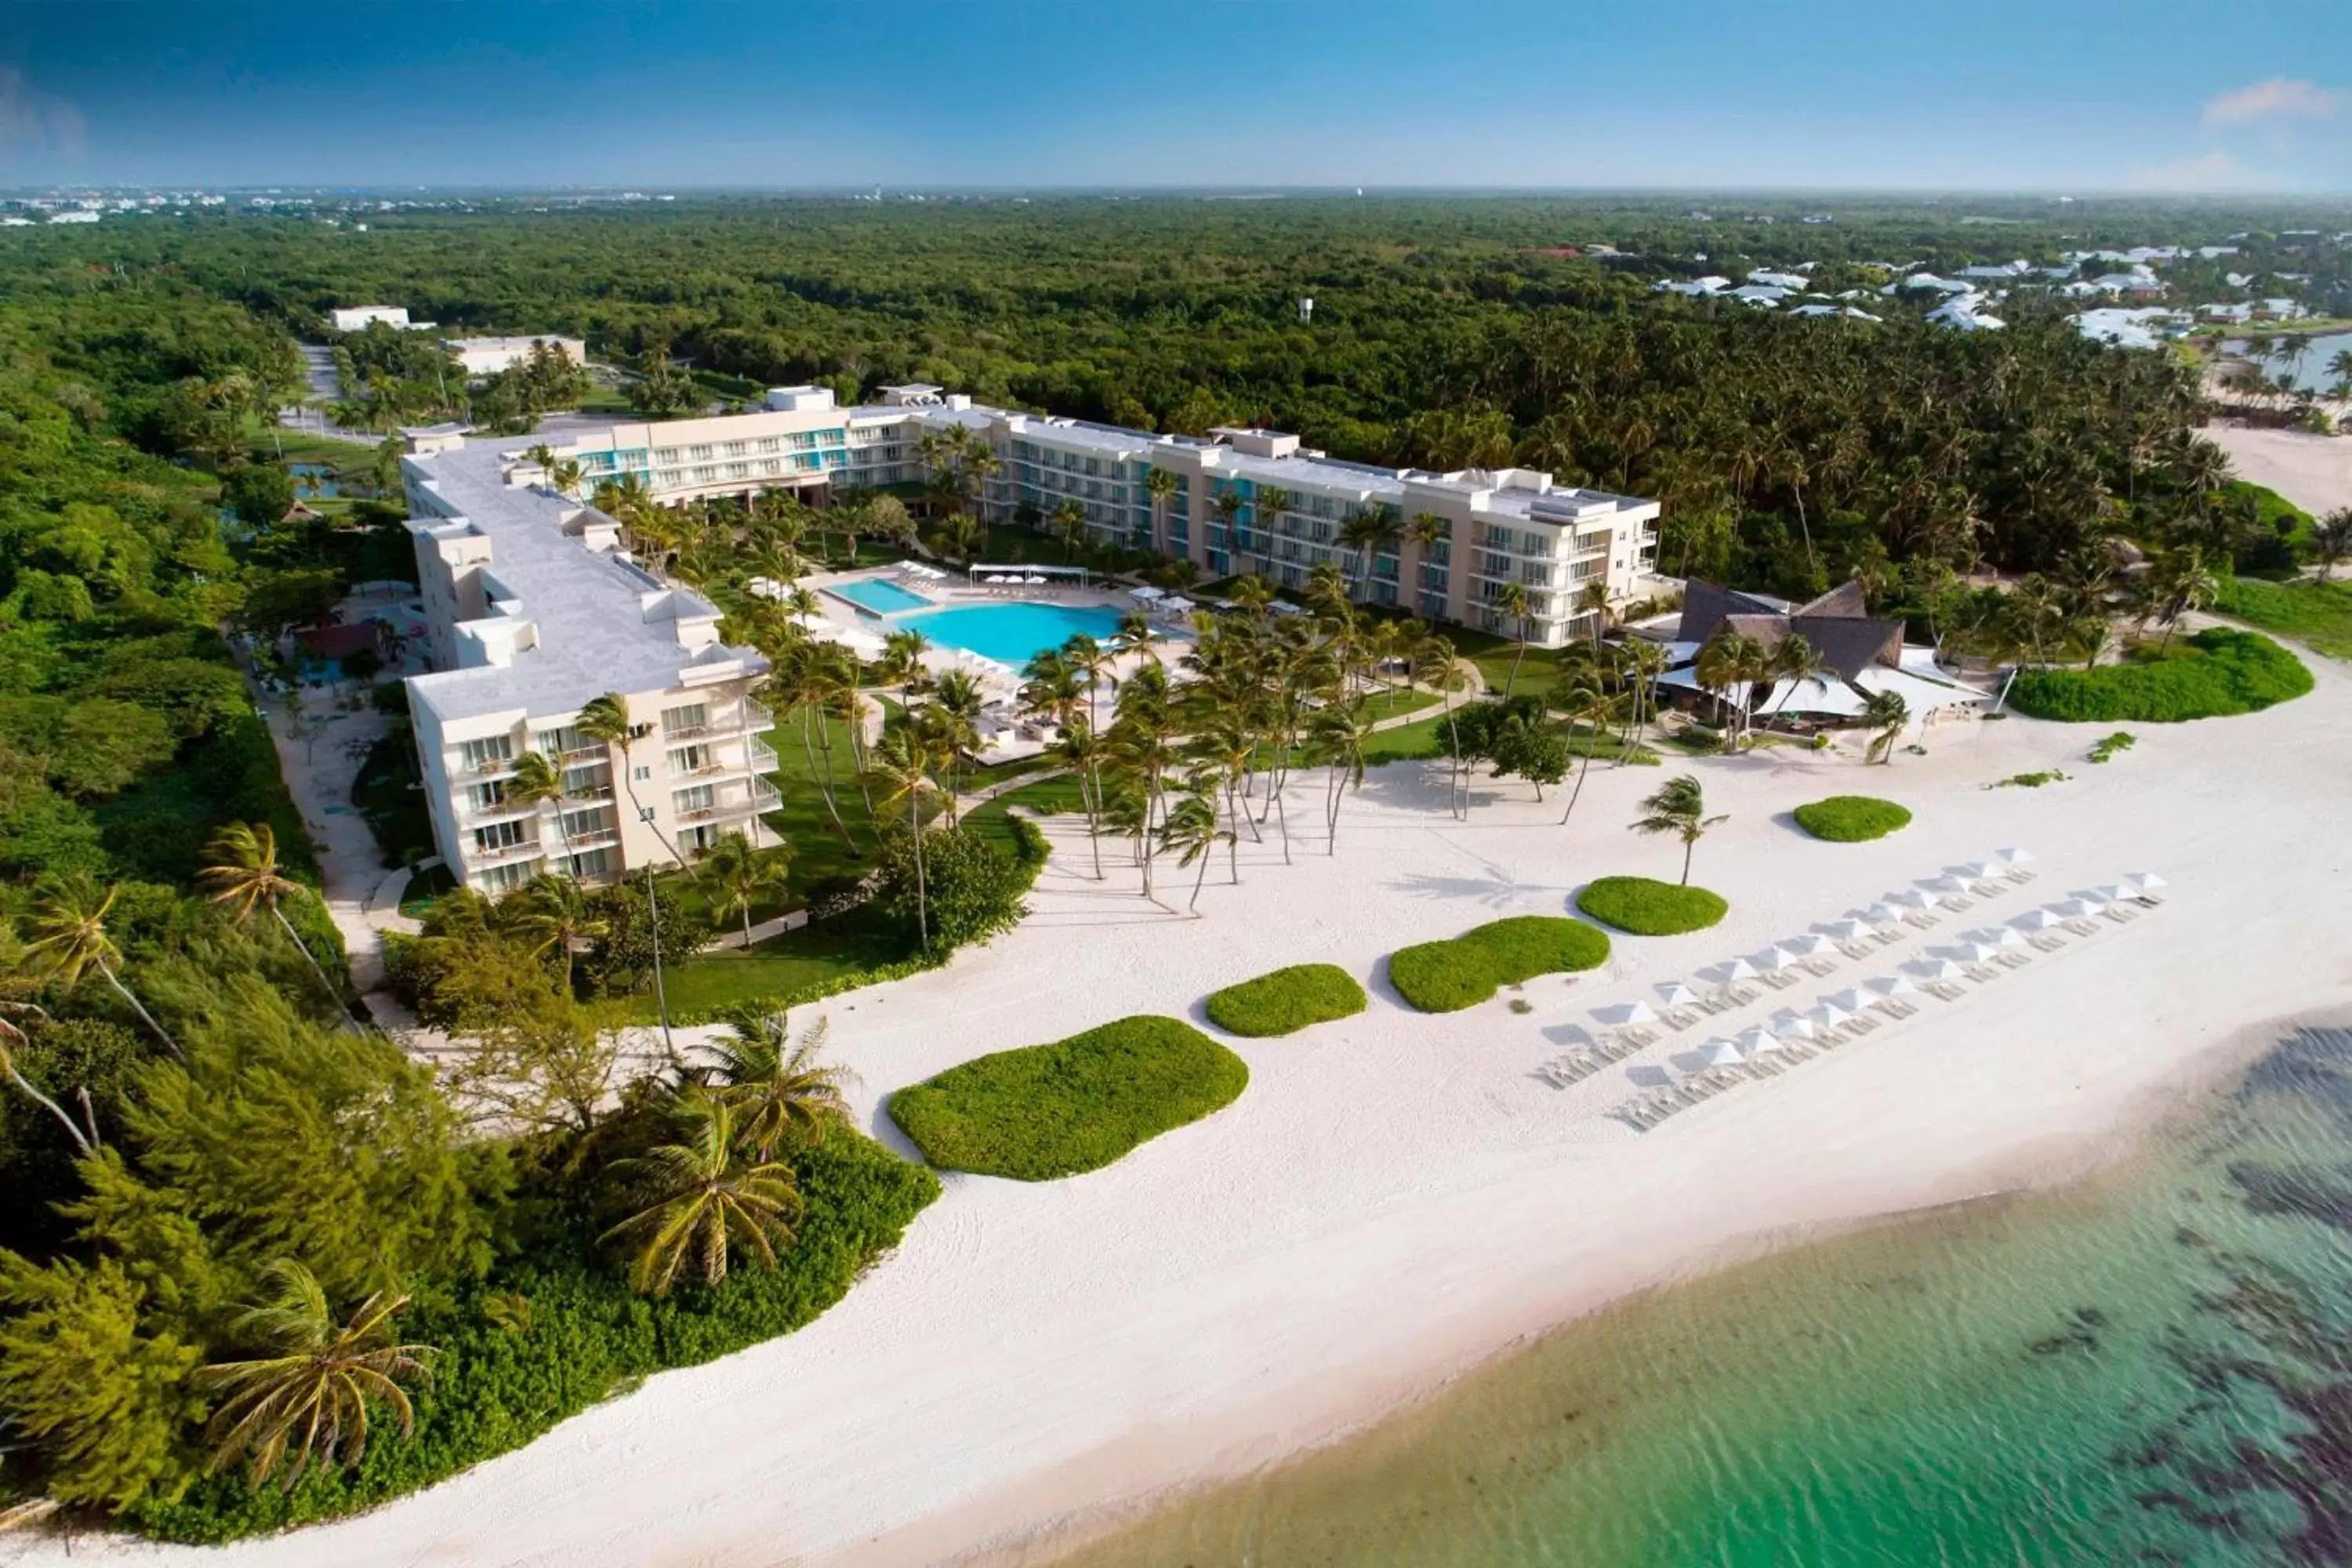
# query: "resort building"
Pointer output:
{"type": "Point", "coordinates": [359, 317]}
{"type": "Point", "coordinates": [1858, 655]}
{"type": "Point", "coordinates": [487, 356]}
{"type": "Point", "coordinates": [532, 612]}
{"type": "Point", "coordinates": [1445, 545]}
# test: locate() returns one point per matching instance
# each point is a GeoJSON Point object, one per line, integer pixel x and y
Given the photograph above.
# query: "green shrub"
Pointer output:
{"type": "Point", "coordinates": [1851, 818]}
{"type": "Point", "coordinates": [580, 1337]}
{"type": "Point", "coordinates": [971, 891]}
{"type": "Point", "coordinates": [1648, 908]}
{"type": "Point", "coordinates": [1077, 1105]}
{"type": "Point", "coordinates": [1447, 976]}
{"type": "Point", "coordinates": [1286, 1000]}
{"type": "Point", "coordinates": [2217, 673]}
{"type": "Point", "coordinates": [2109, 746]}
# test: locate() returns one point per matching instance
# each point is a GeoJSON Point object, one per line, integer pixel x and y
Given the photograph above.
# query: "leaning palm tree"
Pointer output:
{"type": "Point", "coordinates": [2331, 536]}
{"type": "Point", "coordinates": [1191, 829]}
{"type": "Point", "coordinates": [737, 876]}
{"type": "Point", "coordinates": [901, 776]}
{"type": "Point", "coordinates": [554, 914]}
{"type": "Point", "coordinates": [1511, 600]}
{"type": "Point", "coordinates": [539, 781]}
{"type": "Point", "coordinates": [777, 1088]}
{"type": "Point", "coordinates": [1161, 485]}
{"type": "Point", "coordinates": [311, 1387]}
{"type": "Point", "coordinates": [1336, 737]}
{"type": "Point", "coordinates": [1680, 808]}
{"type": "Point", "coordinates": [242, 868]}
{"type": "Point", "coordinates": [701, 1197]}
{"type": "Point", "coordinates": [11, 1038]}
{"type": "Point", "coordinates": [1885, 715]}
{"type": "Point", "coordinates": [69, 942]}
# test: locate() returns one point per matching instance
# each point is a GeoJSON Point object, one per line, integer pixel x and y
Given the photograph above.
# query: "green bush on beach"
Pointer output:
{"type": "Point", "coordinates": [1287, 1001]}
{"type": "Point", "coordinates": [1076, 1105]}
{"type": "Point", "coordinates": [1447, 976]}
{"type": "Point", "coordinates": [1648, 908]}
{"type": "Point", "coordinates": [2215, 673]}
{"type": "Point", "coordinates": [1852, 818]}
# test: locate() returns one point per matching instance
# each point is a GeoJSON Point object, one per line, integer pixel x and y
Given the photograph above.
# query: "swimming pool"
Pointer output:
{"type": "Point", "coordinates": [882, 598]}
{"type": "Point", "coordinates": [1012, 633]}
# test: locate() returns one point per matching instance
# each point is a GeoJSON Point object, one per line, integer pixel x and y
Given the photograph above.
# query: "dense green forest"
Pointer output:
{"type": "Point", "coordinates": [214, 1169]}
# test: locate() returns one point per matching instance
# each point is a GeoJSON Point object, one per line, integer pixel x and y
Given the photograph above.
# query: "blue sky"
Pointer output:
{"type": "Point", "coordinates": [1994, 94]}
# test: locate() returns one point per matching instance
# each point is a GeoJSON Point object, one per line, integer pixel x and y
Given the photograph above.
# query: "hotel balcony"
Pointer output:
{"type": "Point", "coordinates": [527, 850]}
{"type": "Point", "coordinates": [603, 838]}
{"type": "Point", "coordinates": [493, 768]}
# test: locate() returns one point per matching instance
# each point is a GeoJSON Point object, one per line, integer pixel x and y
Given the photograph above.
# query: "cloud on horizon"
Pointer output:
{"type": "Point", "coordinates": [2279, 98]}
{"type": "Point", "coordinates": [35, 123]}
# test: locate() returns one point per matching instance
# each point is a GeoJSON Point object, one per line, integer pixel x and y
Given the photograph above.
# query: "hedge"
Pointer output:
{"type": "Point", "coordinates": [1852, 818]}
{"type": "Point", "coordinates": [1447, 976]}
{"type": "Point", "coordinates": [1287, 1001]}
{"type": "Point", "coordinates": [576, 1335]}
{"type": "Point", "coordinates": [2219, 672]}
{"type": "Point", "coordinates": [1076, 1105]}
{"type": "Point", "coordinates": [1648, 908]}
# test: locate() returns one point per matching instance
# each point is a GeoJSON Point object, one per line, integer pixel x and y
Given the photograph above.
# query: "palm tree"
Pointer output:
{"type": "Point", "coordinates": [311, 1387]}
{"type": "Point", "coordinates": [2331, 536]}
{"type": "Point", "coordinates": [901, 775]}
{"type": "Point", "coordinates": [1161, 485]}
{"type": "Point", "coordinates": [69, 942]}
{"type": "Point", "coordinates": [1593, 600]}
{"type": "Point", "coordinates": [1228, 509]}
{"type": "Point", "coordinates": [1585, 704]}
{"type": "Point", "coordinates": [1885, 715]}
{"type": "Point", "coordinates": [1268, 503]}
{"type": "Point", "coordinates": [736, 876]}
{"type": "Point", "coordinates": [1680, 808]}
{"type": "Point", "coordinates": [538, 781]}
{"type": "Point", "coordinates": [701, 1197]}
{"type": "Point", "coordinates": [554, 911]}
{"type": "Point", "coordinates": [607, 719]}
{"type": "Point", "coordinates": [1426, 532]}
{"type": "Point", "coordinates": [1192, 832]}
{"type": "Point", "coordinates": [2178, 583]}
{"type": "Point", "coordinates": [1511, 600]}
{"type": "Point", "coordinates": [1084, 750]}
{"type": "Point", "coordinates": [11, 1038]}
{"type": "Point", "coordinates": [244, 867]}
{"type": "Point", "coordinates": [1068, 521]}
{"type": "Point", "coordinates": [779, 1092]}
{"type": "Point", "coordinates": [1093, 660]}
{"type": "Point", "coordinates": [1336, 737]}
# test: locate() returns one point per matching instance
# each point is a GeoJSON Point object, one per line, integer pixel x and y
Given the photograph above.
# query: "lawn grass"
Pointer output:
{"type": "Point", "coordinates": [425, 888]}
{"type": "Point", "coordinates": [1648, 908]}
{"type": "Point", "coordinates": [2213, 674]}
{"type": "Point", "coordinates": [1463, 971]}
{"type": "Point", "coordinates": [823, 950]}
{"type": "Point", "coordinates": [1076, 1105]}
{"type": "Point", "coordinates": [1287, 1001]}
{"type": "Point", "coordinates": [1852, 818]}
{"type": "Point", "coordinates": [2316, 614]}
{"type": "Point", "coordinates": [1047, 797]}
{"type": "Point", "coordinates": [820, 861]}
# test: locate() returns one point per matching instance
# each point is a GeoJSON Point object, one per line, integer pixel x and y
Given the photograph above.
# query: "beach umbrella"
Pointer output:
{"type": "Point", "coordinates": [1793, 1025]}
{"type": "Point", "coordinates": [1845, 929]}
{"type": "Point", "coordinates": [2140, 882]}
{"type": "Point", "coordinates": [1846, 1001]}
{"type": "Point", "coordinates": [1827, 1017]}
{"type": "Point", "coordinates": [2080, 907]}
{"type": "Point", "coordinates": [997, 581]}
{"type": "Point", "coordinates": [1033, 579]}
{"type": "Point", "coordinates": [1883, 914]}
{"type": "Point", "coordinates": [1675, 993]}
{"type": "Point", "coordinates": [1998, 936]}
{"type": "Point", "coordinates": [1907, 898]}
{"type": "Point", "coordinates": [1737, 970]}
{"type": "Point", "coordinates": [1893, 985]}
{"type": "Point", "coordinates": [2013, 857]}
{"type": "Point", "coordinates": [1975, 870]}
{"type": "Point", "coordinates": [2045, 919]}
{"type": "Point", "coordinates": [1146, 593]}
{"type": "Point", "coordinates": [1756, 1038]}
{"type": "Point", "coordinates": [2113, 893]}
{"type": "Point", "coordinates": [1772, 960]}
{"type": "Point", "coordinates": [1975, 953]}
{"type": "Point", "coordinates": [1945, 885]}
{"type": "Point", "coordinates": [1937, 969]}
{"type": "Point", "coordinates": [1621, 1013]}
{"type": "Point", "coordinates": [1720, 1053]}
{"type": "Point", "coordinates": [1807, 945]}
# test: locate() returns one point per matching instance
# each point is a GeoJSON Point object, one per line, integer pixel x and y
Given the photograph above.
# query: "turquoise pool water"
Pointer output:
{"type": "Point", "coordinates": [882, 598]}
{"type": "Point", "coordinates": [1015, 633]}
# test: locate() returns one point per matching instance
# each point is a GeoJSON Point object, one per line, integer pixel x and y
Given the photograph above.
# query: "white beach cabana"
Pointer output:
{"type": "Point", "coordinates": [1622, 1014]}
{"type": "Point", "coordinates": [1945, 887]}
{"type": "Point", "coordinates": [1756, 1039]}
{"type": "Point", "coordinates": [2014, 858]}
{"type": "Point", "coordinates": [1793, 1025]}
{"type": "Point", "coordinates": [1907, 898]}
{"type": "Point", "coordinates": [2044, 919]}
{"type": "Point", "coordinates": [1892, 985]}
{"type": "Point", "coordinates": [2080, 907]}
{"type": "Point", "coordinates": [1737, 970]}
{"type": "Point", "coordinates": [1848, 930]}
{"type": "Point", "coordinates": [1176, 605]}
{"type": "Point", "coordinates": [2142, 883]}
{"type": "Point", "coordinates": [1675, 993]}
{"type": "Point", "coordinates": [1976, 871]}
{"type": "Point", "coordinates": [1772, 960]}
{"type": "Point", "coordinates": [1937, 968]}
{"type": "Point", "coordinates": [1998, 936]}
{"type": "Point", "coordinates": [1883, 914]}
{"type": "Point", "coordinates": [1849, 1000]}
{"type": "Point", "coordinates": [1720, 1053]}
{"type": "Point", "coordinates": [1810, 945]}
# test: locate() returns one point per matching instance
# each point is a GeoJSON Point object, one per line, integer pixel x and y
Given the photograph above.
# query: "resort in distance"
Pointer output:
{"type": "Point", "coordinates": [1358, 822]}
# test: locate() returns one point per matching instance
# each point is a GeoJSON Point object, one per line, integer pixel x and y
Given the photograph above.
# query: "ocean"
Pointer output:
{"type": "Point", "coordinates": [2151, 1366]}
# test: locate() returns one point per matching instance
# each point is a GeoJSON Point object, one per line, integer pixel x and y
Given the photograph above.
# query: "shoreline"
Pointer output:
{"type": "Point", "coordinates": [1397, 1199]}
{"type": "Point", "coordinates": [1052, 1536]}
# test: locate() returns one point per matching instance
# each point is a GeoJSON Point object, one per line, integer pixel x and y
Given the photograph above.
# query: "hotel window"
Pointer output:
{"type": "Point", "coordinates": [691, 719]}
{"type": "Point", "coordinates": [1584, 569]}
{"type": "Point", "coordinates": [588, 822]}
{"type": "Point", "coordinates": [698, 454]}
{"type": "Point", "coordinates": [556, 741]}
{"type": "Point", "coordinates": [485, 796]}
{"type": "Point", "coordinates": [1535, 574]}
{"type": "Point", "coordinates": [732, 449]}
{"type": "Point", "coordinates": [737, 470]}
{"type": "Point", "coordinates": [764, 444]}
{"type": "Point", "coordinates": [692, 759]}
{"type": "Point", "coordinates": [595, 779]}
{"type": "Point", "coordinates": [592, 863]}
{"type": "Point", "coordinates": [506, 878]}
{"type": "Point", "coordinates": [500, 836]}
{"type": "Point", "coordinates": [489, 751]}
{"type": "Point", "coordinates": [685, 802]}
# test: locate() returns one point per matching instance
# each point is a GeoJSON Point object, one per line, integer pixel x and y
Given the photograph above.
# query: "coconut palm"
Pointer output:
{"type": "Point", "coordinates": [1192, 831]}
{"type": "Point", "coordinates": [1435, 667]}
{"type": "Point", "coordinates": [1885, 715]}
{"type": "Point", "coordinates": [1336, 737]}
{"type": "Point", "coordinates": [1228, 510]}
{"type": "Point", "coordinates": [242, 865]}
{"type": "Point", "coordinates": [553, 914]}
{"type": "Point", "coordinates": [13, 1037]}
{"type": "Point", "coordinates": [1511, 602]}
{"type": "Point", "coordinates": [1161, 485]}
{"type": "Point", "coordinates": [69, 942]}
{"type": "Point", "coordinates": [780, 1093]}
{"type": "Point", "coordinates": [605, 721]}
{"type": "Point", "coordinates": [538, 781]}
{"type": "Point", "coordinates": [1680, 808]}
{"type": "Point", "coordinates": [309, 1389]}
{"type": "Point", "coordinates": [901, 769]}
{"type": "Point", "coordinates": [1593, 600]}
{"type": "Point", "coordinates": [2179, 582]}
{"type": "Point", "coordinates": [1425, 532]}
{"type": "Point", "coordinates": [2331, 536]}
{"type": "Point", "coordinates": [1084, 752]}
{"type": "Point", "coordinates": [702, 1197]}
{"type": "Point", "coordinates": [1094, 661]}
{"type": "Point", "coordinates": [1587, 706]}
{"type": "Point", "coordinates": [1067, 522]}
{"type": "Point", "coordinates": [735, 876]}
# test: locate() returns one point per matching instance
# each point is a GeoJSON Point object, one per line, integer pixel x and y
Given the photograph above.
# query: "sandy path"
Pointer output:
{"type": "Point", "coordinates": [2312, 471]}
{"type": "Point", "coordinates": [1396, 1195]}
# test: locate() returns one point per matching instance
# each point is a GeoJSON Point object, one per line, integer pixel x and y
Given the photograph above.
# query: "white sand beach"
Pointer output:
{"type": "Point", "coordinates": [1398, 1196]}
{"type": "Point", "coordinates": [2312, 471]}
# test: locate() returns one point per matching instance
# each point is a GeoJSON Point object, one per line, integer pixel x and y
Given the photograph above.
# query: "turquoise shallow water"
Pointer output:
{"type": "Point", "coordinates": [882, 598]}
{"type": "Point", "coordinates": [1012, 633]}
{"type": "Point", "coordinates": [2150, 1367]}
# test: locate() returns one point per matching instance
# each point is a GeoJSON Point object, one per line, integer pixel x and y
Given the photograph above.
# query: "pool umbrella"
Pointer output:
{"type": "Point", "coordinates": [1720, 1053]}
{"type": "Point", "coordinates": [1146, 593]}
{"type": "Point", "coordinates": [1623, 1014]}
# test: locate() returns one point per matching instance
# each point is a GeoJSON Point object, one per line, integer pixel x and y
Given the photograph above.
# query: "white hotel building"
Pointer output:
{"type": "Point", "coordinates": [534, 610]}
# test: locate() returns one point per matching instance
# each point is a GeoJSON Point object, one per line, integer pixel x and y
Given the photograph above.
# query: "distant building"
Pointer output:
{"type": "Point", "coordinates": [487, 356]}
{"type": "Point", "coordinates": [78, 216]}
{"type": "Point", "coordinates": [359, 317]}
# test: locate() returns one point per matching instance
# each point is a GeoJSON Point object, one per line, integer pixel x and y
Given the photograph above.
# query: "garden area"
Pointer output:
{"type": "Point", "coordinates": [1645, 906]}
{"type": "Point", "coordinates": [1043, 1111]}
{"type": "Point", "coordinates": [1852, 818]}
{"type": "Point", "coordinates": [2215, 673]}
{"type": "Point", "coordinates": [1463, 971]}
{"type": "Point", "coordinates": [1287, 1001]}
{"type": "Point", "coordinates": [2316, 614]}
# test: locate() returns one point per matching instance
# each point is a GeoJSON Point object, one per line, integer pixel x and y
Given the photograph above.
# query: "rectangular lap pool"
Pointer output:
{"type": "Point", "coordinates": [880, 597]}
